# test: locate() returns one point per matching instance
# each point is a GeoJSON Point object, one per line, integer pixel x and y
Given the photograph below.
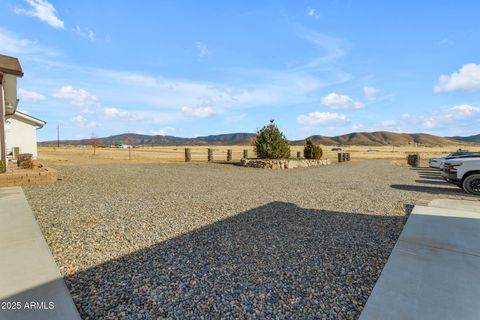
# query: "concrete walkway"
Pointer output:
{"type": "Point", "coordinates": [434, 270]}
{"type": "Point", "coordinates": [31, 286]}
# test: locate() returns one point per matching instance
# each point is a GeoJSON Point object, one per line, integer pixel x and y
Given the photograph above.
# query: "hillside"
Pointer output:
{"type": "Point", "coordinates": [382, 138]}
{"type": "Point", "coordinates": [379, 138]}
{"type": "Point", "coordinates": [140, 139]}
{"type": "Point", "coordinates": [472, 139]}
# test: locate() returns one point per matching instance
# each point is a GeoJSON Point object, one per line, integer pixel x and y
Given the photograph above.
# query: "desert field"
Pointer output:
{"type": "Point", "coordinates": [72, 155]}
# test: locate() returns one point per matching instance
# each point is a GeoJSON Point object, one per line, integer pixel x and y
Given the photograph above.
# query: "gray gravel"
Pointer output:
{"type": "Point", "coordinates": [211, 241]}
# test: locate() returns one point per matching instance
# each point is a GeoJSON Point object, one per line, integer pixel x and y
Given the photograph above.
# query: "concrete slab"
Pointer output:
{"type": "Point", "coordinates": [469, 205]}
{"type": "Point", "coordinates": [31, 286]}
{"type": "Point", "coordinates": [454, 230]}
{"type": "Point", "coordinates": [433, 270]}
{"type": "Point", "coordinates": [420, 282]}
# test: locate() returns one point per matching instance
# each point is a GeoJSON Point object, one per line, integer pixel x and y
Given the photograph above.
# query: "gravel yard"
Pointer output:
{"type": "Point", "coordinates": [202, 240]}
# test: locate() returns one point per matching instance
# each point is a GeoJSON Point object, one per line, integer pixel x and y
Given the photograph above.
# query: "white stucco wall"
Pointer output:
{"type": "Point", "coordinates": [21, 134]}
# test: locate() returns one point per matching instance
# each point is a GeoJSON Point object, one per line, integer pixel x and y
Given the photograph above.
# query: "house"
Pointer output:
{"type": "Point", "coordinates": [21, 132]}
{"type": "Point", "coordinates": [16, 129]}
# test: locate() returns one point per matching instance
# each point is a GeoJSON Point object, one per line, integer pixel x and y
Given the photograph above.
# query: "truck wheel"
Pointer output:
{"type": "Point", "coordinates": [471, 184]}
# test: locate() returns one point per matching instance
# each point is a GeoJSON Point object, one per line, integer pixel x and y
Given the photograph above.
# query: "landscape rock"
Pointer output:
{"type": "Point", "coordinates": [283, 163]}
{"type": "Point", "coordinates": [210, 240]}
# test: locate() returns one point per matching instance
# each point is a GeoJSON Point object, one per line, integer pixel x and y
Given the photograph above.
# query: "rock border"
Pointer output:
{"type": "Point", "coordinates": [283, 163]}
{"type": "Point", "coordinates": [27, 177]}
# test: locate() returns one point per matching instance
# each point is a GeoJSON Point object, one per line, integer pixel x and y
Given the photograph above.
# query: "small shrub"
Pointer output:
{"type": "Point", "coordinates": [23, 157]}
{"type": "Point", "coordinates": [413, 160]}
{"type": "Point", "coordinates": [270, 143]}
{"type": "Point", "coordinates": [312, 151]}
{"type": "Point", "coordinates": [1, 166]}
{"type": "Point", "coordinates": [27, 164]}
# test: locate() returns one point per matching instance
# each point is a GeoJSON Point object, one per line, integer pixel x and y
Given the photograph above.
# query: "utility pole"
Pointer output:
{"type": "Point", "coordinates": [58, 136]}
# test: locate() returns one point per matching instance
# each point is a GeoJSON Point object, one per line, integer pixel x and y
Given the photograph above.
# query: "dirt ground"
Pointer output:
{"type": "Point", "coordinates": [166, 154]}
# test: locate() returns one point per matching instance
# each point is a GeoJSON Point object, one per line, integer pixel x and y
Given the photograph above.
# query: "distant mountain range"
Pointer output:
{"type": "Point", "coordinates": [473, 139]}
{"type": "Point", "coordinates": [142, 139]}
{"type": "Point", "coordinates": [379, 138]}
{"type": "Point", "coordinates": [382, 138]}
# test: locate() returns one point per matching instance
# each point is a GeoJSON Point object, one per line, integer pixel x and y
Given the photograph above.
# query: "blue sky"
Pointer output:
{"type": "Point", "coordinates": [190, 68]}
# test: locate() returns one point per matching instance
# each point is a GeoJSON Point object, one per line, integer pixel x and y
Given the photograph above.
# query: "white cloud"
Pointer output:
{"type": "Point", "coordinates": [167, 131]}
{"type": "Point", "coordinates": [371, 92]}
{"type": "Point", "coordinates": [389, 123]}
{"type": "Point", "coordinates": [456, 120]}
{"type": "Point", "coordinates": [77, 97]}
{"type": "Point", "coordinates": [114, 113]}
{"type": "Point", "coordinates": [46, 12]}
{"type": "Point", "coordinates": [257, 87]}
{"type": "Point", "coordinates": [337, 101]}
{"type": "Point", "coordinates": [332, 48]}
{"type": "Point", "coordinates": [43, 10]}
{"type": "Point", "coordinates": [200, 112]}
{"type": "Point", "coordinates": [313, 13]}
{"type": "Point", "coordinates": [468, 78]}
{"type": "Point", "coordinates": [162, 95]}
{"type": "Point", "coordinates": [357, 126]}
{"type": "Point", "coordinates": [236, 118]}
{"type": "Point", "coordinates": [129, 77]}
{"type": "Point", "coordinates": [85, 33]}
{"type": "Point", "coordinates": [33, 96]}
{"type": "Point", "coordinates": [316, 118]}
{"type": "Point", "coordinates": [463, 115]}
{"type": "Point", "coordinates": [465, 110]}
{"type": "Point", "coordinates": [83, 122]}
{"type": "Point", "coordinates": [270, 88]}
{"type": "Point", "coordinates": [202, 49]}
{"type": "Point", "coordinates": [144, 117]}
{"type": "Point", "coordinates": [12, 44]}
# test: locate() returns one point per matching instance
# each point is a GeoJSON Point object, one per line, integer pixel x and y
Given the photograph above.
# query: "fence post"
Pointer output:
{"type": "Point", "coordinates": [339, 157]}
{"type": "Point", "coordinates": [229, 155]}
{"type": "Point", "coordinates": [245, 153]}
{"type": "Point", "coordinates": [210, 155]}
{"type": "Point", "coordinates": [299, 154]}
{"type": "Point", "coordinates": [413, 160]}
{"type": "Point", "coordinates": [188, 155]}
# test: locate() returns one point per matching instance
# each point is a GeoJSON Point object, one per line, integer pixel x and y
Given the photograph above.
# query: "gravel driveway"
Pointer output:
{"type": "Point", "coordinates": [211, 241]}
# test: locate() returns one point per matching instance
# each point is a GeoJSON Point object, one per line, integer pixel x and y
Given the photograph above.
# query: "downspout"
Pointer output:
{"type": "Point", "coordinates": [3, 151]}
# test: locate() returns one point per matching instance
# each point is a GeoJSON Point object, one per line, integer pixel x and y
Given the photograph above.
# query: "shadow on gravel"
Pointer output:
{"type": "Point", "coordinates": [433, 172]}
{"type": "Point", "coordinates": [232, 163]}
{"type": "Point", "coordinates": [425, 169]}
{"type": "Point", "coordinates": [439, 182]}
{"type": "Point", "coordinates": [433, 190]}
{"type": "Point", "coordinates": [431, 176]}
{"type": "Point", "coordinates": [277, 260]}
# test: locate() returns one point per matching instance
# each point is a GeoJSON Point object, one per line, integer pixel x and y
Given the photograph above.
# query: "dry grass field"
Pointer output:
{"type": "Point", "coordinates": [168, 154]}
